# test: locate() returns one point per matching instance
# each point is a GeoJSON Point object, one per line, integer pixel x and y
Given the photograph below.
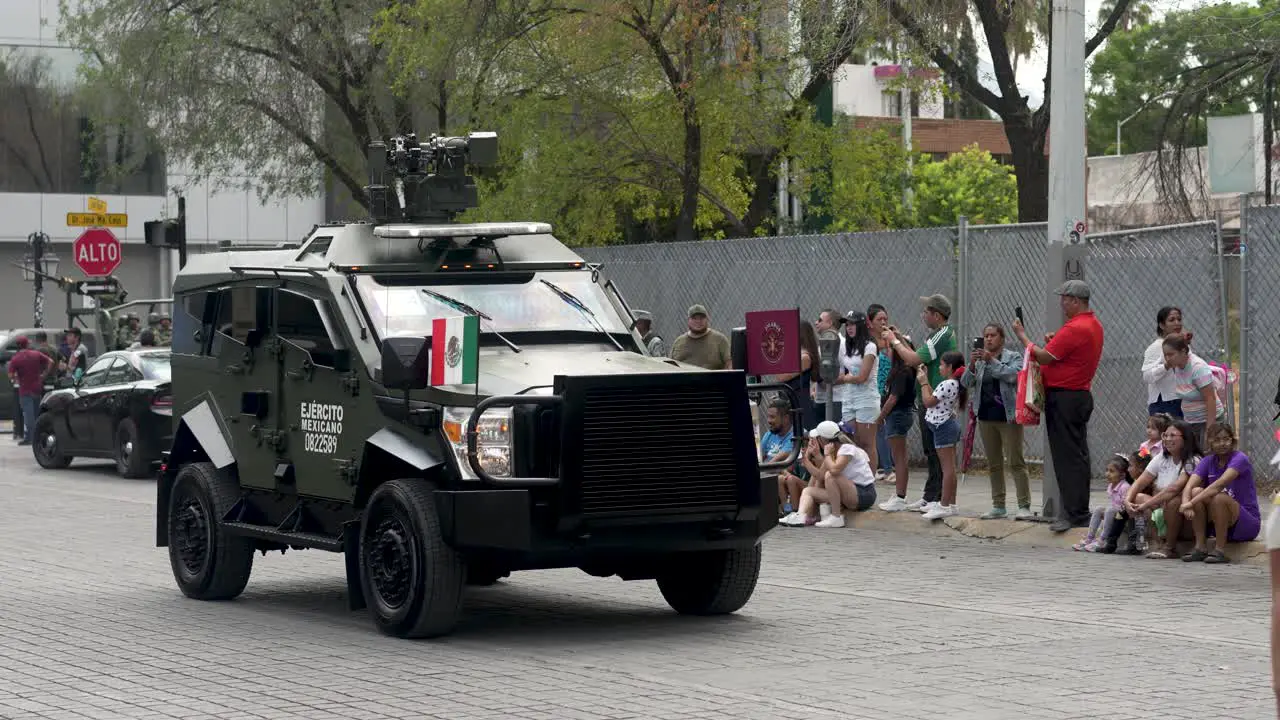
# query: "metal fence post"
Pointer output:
{"type": "Point", "coordinates": [1246, 423]}
{"type": "Point", "coordinates": [962, 281]}
{"type": "Point", "coordinates": [1224, 334]}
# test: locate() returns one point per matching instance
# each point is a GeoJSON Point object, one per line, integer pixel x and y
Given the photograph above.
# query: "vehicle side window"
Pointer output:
{"type": "Point", "coordinates": [307, 323]}
{"type": "Point", "coordinates": [195, 312]}
{"type": "Point", "coordinates": [97, 373]}
{"type": "Point", "coordinates": [241, 310]}
{"type": "Point", "coordinates": [119, 373]}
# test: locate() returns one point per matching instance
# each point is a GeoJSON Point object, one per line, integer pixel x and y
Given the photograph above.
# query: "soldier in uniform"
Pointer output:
{"type": "Point", "coordinates": [129, 334]}
{"type": "Point", "coordinates": [652, 340]}
{"type": "Point", "coordinates": [164, 333]}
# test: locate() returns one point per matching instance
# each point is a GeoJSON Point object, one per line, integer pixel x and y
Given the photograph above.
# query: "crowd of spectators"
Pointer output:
{"type": "Point", "coordinates": [1185, 480]}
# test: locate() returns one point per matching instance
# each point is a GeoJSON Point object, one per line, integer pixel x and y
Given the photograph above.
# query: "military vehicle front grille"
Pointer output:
{"type": "Point", "coordinates": [657, 450]}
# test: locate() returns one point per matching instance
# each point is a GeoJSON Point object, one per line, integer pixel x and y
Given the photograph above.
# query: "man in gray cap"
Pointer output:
{"type": "Point", "coordinates": [936, 316]}
{"type": "Point", "coordinates": [701, 345]}
{"type": "Point", "coordinates": [652, 340]}
{"type": "Point", "coordinates": [1068, 362]}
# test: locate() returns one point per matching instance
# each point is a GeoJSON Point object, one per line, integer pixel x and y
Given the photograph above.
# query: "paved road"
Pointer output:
{"type": "Point", "coordinates": [845, 624]}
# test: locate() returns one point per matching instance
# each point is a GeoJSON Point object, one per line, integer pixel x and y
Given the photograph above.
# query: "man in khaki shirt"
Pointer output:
{"type": "Point", "coordinates": [702, 346]}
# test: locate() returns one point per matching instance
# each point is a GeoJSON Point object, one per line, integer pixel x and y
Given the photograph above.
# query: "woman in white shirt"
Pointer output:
{"type": "Point", "coordinates": [841, 478]}
{"type": "Point", "coordinates": [856, 387]}
{"type": "Point", "coordinates": [1161, 395]}
{"type": "Point", "coordinates": [1160, 485]}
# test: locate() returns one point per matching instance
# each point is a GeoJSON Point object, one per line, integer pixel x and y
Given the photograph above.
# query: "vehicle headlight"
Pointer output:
{"type": "Point", "coordinates": [493, 440]}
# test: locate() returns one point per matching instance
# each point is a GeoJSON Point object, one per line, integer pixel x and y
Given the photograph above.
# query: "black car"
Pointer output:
{"type": "Point", "coordinates": [120, 409]}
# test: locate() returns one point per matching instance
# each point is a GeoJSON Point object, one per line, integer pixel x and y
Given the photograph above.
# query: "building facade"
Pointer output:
{"type": "Point", "coordinates": [53, 158]}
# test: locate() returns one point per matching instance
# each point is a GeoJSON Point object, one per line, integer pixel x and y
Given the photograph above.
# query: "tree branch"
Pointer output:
{"type": "Point", "coordinates": [967, 81]}
{"type": "Point", "coordinates": [1108, 26]}
{"type": "Point", "coordinates": [317, 149]}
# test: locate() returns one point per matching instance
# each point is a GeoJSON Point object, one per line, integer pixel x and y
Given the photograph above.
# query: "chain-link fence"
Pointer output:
{"type": "Point", "coordinates": [1259, 332]}
{"type": "Point", "coordinates": [988, 271]}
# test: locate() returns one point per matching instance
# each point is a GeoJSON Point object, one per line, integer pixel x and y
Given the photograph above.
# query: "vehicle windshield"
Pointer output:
{"type": "Point", "coordinates": [515, 307]}
{"type": "Point", "coordinates": [156, 367]}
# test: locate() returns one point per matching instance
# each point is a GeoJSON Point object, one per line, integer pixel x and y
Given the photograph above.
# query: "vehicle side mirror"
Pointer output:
{"type": "Point", "coordinates": [738, 348]}
{"type": "Point", "coordinates": [342, 360]}
{"type": "Point", "coordinates": [406, 363]}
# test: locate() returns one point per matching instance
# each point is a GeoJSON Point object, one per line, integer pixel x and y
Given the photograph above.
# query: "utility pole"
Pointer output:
{"type": "Point", "coordinates": [1067, 212]}
{"type": "Point", "coordinates": [905, 102]}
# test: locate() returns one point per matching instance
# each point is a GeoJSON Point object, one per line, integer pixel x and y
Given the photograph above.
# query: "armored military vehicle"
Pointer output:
{"type": "Point", "coordinates": [325, 398]}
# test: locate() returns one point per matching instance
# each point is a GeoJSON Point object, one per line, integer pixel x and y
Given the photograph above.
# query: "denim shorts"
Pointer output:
{"type": "Point", "coordinates": [947, 434]}
{"type": "Point", "coordinates": [866, 496]}
{"type": "Point", "coordinates": [899, 422]}
{"type": "Point", "coordinates": [865, 414]}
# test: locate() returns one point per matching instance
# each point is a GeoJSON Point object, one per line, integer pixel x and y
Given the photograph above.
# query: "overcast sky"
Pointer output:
{"type": "Point", "coordinates": [1031, 70]}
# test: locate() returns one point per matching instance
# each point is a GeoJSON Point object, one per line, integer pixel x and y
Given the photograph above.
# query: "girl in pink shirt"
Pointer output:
{"type": "Point", "coordinates": [1102, 518]}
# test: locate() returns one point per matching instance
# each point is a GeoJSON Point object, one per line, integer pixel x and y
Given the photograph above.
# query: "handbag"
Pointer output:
{"type": "Point", "coordinates": [1030, 391]}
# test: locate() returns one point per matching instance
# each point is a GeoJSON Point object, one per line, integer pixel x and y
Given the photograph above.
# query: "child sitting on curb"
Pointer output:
{"type": "Point", "coordinates": [1111, 514]}
{"type": "Point", "coordinates": [1135, 524]}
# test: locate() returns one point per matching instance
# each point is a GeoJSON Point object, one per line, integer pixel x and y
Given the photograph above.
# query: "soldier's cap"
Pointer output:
{"type": "Point", "coordinates": [1075, 289]}
{"type": "Point", "coordinates": [643, 315]}
{"type": "Point", "coordinates": [937, 302]}
{"type": "Point", "coordinates": [698, 310]}
{"type": "Point", "coordinates": [826, 430]}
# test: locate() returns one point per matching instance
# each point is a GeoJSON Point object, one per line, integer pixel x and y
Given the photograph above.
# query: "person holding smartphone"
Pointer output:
{"type": "Point", "coordinates": [991, 377]}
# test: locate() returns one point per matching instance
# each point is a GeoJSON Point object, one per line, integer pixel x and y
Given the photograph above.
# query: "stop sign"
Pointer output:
{"type": "Point", "coordinates": [97, 252]}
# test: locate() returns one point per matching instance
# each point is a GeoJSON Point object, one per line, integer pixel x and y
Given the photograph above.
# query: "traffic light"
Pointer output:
{"type": "Point", "coordinates": [171, 233]}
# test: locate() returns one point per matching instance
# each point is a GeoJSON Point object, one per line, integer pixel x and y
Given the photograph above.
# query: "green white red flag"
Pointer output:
{"type": "Point", "coordinates": [455, 350]}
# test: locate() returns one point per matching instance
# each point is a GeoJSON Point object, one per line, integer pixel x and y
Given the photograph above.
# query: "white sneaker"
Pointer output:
{"type": "Point", "coordinates": [918, 505]}
{"type": "Point", "coordinates": [940, 511]}
{"type": "Point", "coordinates": [831, 521]}
{"type": "Point", "coordinates": [894, 504]}
{"type": "Point", "coordinates": [824, 510]}
{"type": "Point", "coordinates": [929, 506]}
{"type": "Point", "coordinates": [1023, 514]}
{"type": "Point", "coordinates": [795, 519]}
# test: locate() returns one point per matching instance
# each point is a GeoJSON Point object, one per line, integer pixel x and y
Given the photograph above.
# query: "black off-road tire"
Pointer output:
{"type": "Point", "coordinates": [208, 562]}
{"type": "Point", "coordinates": [413, 582]}
{"type": "Point", "coordinates": [714, 582]}
{"type": "Point", "coordinates": [48, 459]}
{"type": "Point", "coordinates": [133, 463]}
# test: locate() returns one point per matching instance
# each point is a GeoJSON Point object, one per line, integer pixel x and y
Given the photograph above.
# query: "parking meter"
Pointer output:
{"type": "Point", "coordinates": [829, 368]}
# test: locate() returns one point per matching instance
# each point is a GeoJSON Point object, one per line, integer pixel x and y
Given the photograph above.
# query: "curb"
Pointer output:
{"type": "Point", "coordinates": [1014, 532]}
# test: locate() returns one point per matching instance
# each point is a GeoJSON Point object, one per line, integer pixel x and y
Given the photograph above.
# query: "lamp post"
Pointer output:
{"type": "Point", "coordinates": [1134, 114]}
{"type": "Point", "coordinates": [39, 262]}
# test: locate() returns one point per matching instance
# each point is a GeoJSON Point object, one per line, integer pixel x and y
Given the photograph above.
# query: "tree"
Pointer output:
{"type": "Point", "coordinates": [1176, 72]}
{"type": "Point", "coordinates": [1010, 28]}
{"type": "Point", "coordinates": [867, 175]}
{"type": "Point", "coordinates": [970, 183]}
{"type": "Point", "coordinates": [958, 103]}
{"type": "Point", "coordinates": [286, 88]}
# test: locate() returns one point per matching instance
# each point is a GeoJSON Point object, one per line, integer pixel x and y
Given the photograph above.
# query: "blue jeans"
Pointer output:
{"type": "Point", "coordinates": [883, 453]}
{"type": "Point", "coordinates": [30, 406]}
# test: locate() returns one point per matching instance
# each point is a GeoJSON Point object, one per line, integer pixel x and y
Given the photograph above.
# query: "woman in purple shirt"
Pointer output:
{"type": "Point", "coordinates": [1221, 491]}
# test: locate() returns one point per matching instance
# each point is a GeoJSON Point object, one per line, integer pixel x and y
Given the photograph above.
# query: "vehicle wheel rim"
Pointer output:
{"type": "Point", "coordinates": [126, 449]}
{"type": "Point", "coordinates": [189, 534]}
{"type": "Point", "coordinates": [390, 557]}
{"type": "Point", "coordinates": [47, 445]}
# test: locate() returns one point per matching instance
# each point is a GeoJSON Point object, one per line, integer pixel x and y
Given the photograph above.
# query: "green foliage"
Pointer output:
{"type": "Point", "coordinates": [970, 183]}
{"type": "Point", "coordinates": [1177, 71]}
{"type": "Point", "coordinates": [863, 187]}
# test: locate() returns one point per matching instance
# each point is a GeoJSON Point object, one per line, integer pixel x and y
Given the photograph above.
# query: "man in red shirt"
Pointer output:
{"type": "Point", "coordinates": [1068, 362]}
{"type": "Point", "coordinates": [27, 368]}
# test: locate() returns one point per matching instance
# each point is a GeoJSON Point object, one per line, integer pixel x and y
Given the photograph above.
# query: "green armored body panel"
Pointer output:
{"type": "Point", "coordinates": [443, 404]}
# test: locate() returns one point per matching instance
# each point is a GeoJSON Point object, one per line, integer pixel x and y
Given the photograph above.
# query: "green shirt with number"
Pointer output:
{"type": "Point", "coordinates": [939, 343]}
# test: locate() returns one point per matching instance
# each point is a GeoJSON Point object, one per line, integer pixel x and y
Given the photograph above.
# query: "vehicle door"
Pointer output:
{"type": "Point", "coordinates": [113, 400]}
{"type": "Point", "coordinates": [85, 411]}
{"type": "Point", "coordinates": [317, 395]}
{"type": "Point", "coordinates": [244, 379]}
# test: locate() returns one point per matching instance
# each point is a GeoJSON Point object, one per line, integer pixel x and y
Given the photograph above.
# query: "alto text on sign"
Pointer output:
{"type": "Point", "coordinates": [96, 252]}
{"type": "Point", "coordinates": [97, 220]}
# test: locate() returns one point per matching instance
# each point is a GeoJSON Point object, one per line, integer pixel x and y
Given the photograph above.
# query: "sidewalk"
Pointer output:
{"type": "Point", "coordinates": [973, 496]}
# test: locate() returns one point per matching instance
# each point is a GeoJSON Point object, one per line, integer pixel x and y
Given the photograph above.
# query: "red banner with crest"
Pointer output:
{"type": "Point", "coordinates": [773, 342]}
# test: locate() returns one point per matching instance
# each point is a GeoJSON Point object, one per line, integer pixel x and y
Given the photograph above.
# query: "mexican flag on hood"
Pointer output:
{"type": "Point", "coordinates": [455, 350]}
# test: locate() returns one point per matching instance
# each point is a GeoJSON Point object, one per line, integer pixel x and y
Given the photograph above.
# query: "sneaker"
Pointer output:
{"type": "Point", "coordinates": [824, 510]}
{"type": "Point", "coordinates": [994, 513]}
{"type": "Point", "coordinates": [929, 506]}
{"type": "Point", "coordinates": [1084, 544]}
{"type": "Point", "coordinates": [918, 505]}
{"type": "Point", "coordinates": [894, 504]}
{"type": "Point", "coordinates": [795, 519]}
{"type": "Point", "coordinates": [939, 511]}
{"type": "Point", "coordinates": [831, 521]}
{"type": "Point", "coordinates": [1093, 547]}
{"type": "Point", "coordinates": [1024, 513]}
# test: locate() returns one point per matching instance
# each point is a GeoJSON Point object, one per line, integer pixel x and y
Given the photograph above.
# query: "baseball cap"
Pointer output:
{"type": "Point", "coordinates": [21, 341]}
{"type": "Point", "coordinates": [937, 302]}
{"type": "Point", "coordinates": [698, 310]}
{"type": "Point", "coordinates": [855, 316]}
{"type": "Point", "coordinates": [643, 315]}
{"type": "Point", "coordinates": [826, 430]}
{"type": "Point", "coordinates": [1075, 289]}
